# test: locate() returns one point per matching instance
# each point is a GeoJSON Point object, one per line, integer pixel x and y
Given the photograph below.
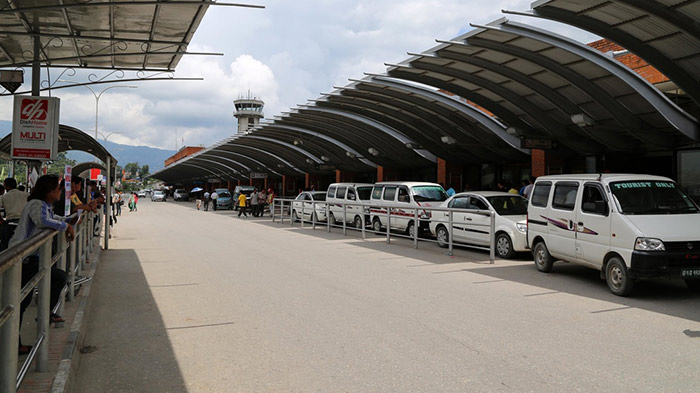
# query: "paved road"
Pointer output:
{"type": "Point", "coordinates": [206, 302]}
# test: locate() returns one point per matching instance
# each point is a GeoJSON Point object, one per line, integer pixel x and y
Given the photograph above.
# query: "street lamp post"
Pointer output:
{"type": "Point", "coordinates": [97, 101]}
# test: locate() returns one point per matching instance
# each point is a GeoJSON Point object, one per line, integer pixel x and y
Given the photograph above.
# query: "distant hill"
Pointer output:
{"type": "Point", "coordinates": [124, 154]}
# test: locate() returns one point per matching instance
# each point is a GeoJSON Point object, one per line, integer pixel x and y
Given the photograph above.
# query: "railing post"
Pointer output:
{"type": "Point", "coordinates": [43, 307]}
{"type": "Point", "coordinates": [415, 228]}
{"type": "Point", "coordinates": [345, 219]}
{"type": "Point", "coordinates": [450, 247]}
{"type": "Point", "coordinates": [388, 225]}
{"type": "Point", "coordinates": [492, 246]}
{"type": "Point", "coordinates": [72, 255]}
{"type": "Point", "coordinates": [9, 332]}
{"type": "Point", "coordinates": [78, 242]}
{"type": "Point", "coordinates": [62, 246]}
{"type": "Point", "coordinates": [291, 212]}
{"type": "Point", "coordinates": [301, 219]}
{"type": "Point", "coordinates": [313, 214]}
{"type": "Point", "coordinates": [364, 224]}
{"type": "Point", "coordinates": [328, 217]}
{"type": "Point", "coordinates": [272, 208]}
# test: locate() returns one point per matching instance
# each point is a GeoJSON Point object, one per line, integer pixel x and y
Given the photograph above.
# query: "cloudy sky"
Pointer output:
{"type": "Point", "coordinates": [286, 54]}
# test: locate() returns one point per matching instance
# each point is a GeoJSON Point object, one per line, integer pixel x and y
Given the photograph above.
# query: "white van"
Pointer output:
{"type": "Point", "coordinates": [343, 193]}
{"type": "Point", "coordinates": [475, 228]}
{"type": "Point", "coordinates": [627, 226]}
{"type": "Point", "coordinates": [402, 198]}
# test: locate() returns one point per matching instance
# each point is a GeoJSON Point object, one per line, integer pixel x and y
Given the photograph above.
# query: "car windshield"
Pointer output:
{"type": "Point", "coordinates": [223, 194]}
{"type": "Point", "coordinates": [429, 194]}
{"type": "Point", "coordinates": [364, 193]}
{"type": "Point", "coordinates": [319, 196]}
{"type": "Point", "coordinates": [509, 205]}
{"type": "Point", "coordinates": [180, 191]}
{"type": "Point", "coordinates": [652, 197]}
{"type": "Point", "coordinates": [158, 193]}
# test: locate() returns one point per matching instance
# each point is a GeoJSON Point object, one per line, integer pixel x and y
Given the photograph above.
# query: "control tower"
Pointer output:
{"type": "Point", "coordinates": [248, 112]}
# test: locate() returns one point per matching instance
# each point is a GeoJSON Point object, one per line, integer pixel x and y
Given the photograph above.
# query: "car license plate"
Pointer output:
{"type": "Point", "coordinates": [690, 273]}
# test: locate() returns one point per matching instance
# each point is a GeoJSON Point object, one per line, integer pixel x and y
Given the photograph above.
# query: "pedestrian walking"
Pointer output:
{"type": "Point", "coordinates": [198, 200]}
{"type": "Point", "coordinates": [136, 202]}
{"type": "Point", "coordinates": [206, 200]}
{"type": "Point", "coordinates": [254, 203]}
{"type": "Point", "coordinates": [214, 197]}
{"type": "Point", "coordinates": [242, 205]}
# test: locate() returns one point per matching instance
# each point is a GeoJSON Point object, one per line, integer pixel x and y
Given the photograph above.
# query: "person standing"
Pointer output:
{"type": "Point", "coordinates": [270, 199]}
{"type": "Point", "coordinates": [13, 201]}
{"type": "Point", "coordinates": [206, 200]}
{"type": "Point", "coordinates": [262, 201]}
{"type": "Point", "coordinates": [254, 203]}
{"type": "Point", "coordinates": [450, 191]}
{"type": "Point", "coordinates": [136, 201]}
{"type": "Point", "coordinates": [214, 197]}
{"type": "Point", "coordinates": [528, 189]}
{"type": "Point", "coordinates": [198, 199]}
{"type": "Point", "coordinates": [242, 205]}
{"type": "Point", "coordinates": [36, 216]}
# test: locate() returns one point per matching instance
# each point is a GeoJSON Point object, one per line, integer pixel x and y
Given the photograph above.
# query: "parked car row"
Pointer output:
{"type": "Point", "coordinates": [629, 227]}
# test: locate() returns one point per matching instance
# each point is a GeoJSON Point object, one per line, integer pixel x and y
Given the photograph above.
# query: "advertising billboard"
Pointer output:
{"type": "Point", "coordinates": [35, 128]}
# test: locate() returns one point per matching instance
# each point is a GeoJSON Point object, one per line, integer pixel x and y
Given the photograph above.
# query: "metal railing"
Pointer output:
{"type": "Point", "coordinates": [419, 217]}
{"type": "Point", "coordinates": [70, 257]}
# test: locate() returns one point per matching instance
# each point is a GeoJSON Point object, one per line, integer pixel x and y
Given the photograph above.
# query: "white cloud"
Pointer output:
{"type": "Point", "coordinates": [285, 54]}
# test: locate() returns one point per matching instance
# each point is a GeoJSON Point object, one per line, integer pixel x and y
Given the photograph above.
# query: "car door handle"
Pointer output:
{"type": "Point", "coordinates": [467, 219]}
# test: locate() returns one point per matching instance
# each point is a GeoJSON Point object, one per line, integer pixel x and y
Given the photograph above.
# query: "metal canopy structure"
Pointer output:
{"type": "Point", "coordinates": [548, 86]}
{"type": "Point", "coordinates": [664, 33]}
{"type": "Point", "coordinates": [69, 138]}
{"type": "Point", "coordinates": [137, 35]}
{"type": "Point", "coordinates": [511, 81]}
{"type": "Point", "coordinates": [84, 168]}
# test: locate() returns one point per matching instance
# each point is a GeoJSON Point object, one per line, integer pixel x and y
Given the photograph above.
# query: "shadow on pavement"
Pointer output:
{"type": "Point", "coordinates": [126, 348]}
{"type": "Point", "coordinates": [669, 297]}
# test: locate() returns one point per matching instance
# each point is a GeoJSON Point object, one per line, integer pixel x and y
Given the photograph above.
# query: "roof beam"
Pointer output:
{"type": "Point", "coordinates": [53, 7]}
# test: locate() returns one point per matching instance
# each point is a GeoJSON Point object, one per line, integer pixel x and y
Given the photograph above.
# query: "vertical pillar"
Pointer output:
{"type": "Point", "coordinates": [338, 177]}
{"type": "Point", "coordinates": [380, 173]}
{"type": "Point", "coordinates": [307, 181]}
{"type": "Point", "coordinates": [442, 172]}
{"type": "Point", "coordinates": [250, 181]}
{"type": "Point", "coordinates": [265, 187]}
{"type": "Point", "coordinates": [539, 163]}
{"type": "Point", "coordinates": [108, 201]}
{"type": "Point", "coordinates": [283, 192]}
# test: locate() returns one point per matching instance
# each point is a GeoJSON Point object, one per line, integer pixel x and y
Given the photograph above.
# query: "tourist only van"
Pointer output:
{"type": "Point", "coordinates": [401, 199]}
{"type": "Point", "coordinates": [627, 226]}
{"type": "Point", "coordinates": [342, 196]}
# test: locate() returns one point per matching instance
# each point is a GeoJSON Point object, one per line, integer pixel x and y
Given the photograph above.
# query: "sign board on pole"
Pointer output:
{"type": "Point", "coordinates": [257, 175]}
{"type": "Point", "coordinates": [95, 173]}
{"type": "Point", "coordinates": [35, 128]}
{"type": "Point", "coordinates": [67, 178]}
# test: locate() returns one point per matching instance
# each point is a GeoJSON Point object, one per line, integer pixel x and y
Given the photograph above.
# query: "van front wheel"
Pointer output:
{"type": "Point", "coordinates": [543, 261]}
{"type": "Point", "coordinates": [617, 278]}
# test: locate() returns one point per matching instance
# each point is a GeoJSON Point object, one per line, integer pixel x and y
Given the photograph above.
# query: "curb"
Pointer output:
{"type": "Point", "coordinates": [68, 364]}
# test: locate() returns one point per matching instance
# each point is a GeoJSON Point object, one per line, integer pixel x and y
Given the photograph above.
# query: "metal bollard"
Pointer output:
{"type": "Point", "coordinates": [450, 249]}
{"type": "Point", "coordinates": [345, 219]}
{"type": "Point", "coordinates": [416, 225]}
{"type": "Point", "coordinates": [43, 307]}
{"type": "Point", "coordinates": [364, 224]}
{"type": "Point", "coordinates": [492, 246]}
{"type": "Point", "coordinates": [388, 225]}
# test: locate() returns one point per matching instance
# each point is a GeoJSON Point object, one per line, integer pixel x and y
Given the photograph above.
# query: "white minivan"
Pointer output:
{"type": "Point", "coordinates": [347, 194]}
{"type": "Point", "coordinates": [627, 226]}
{"type": "Point", "coordinates": [401, 199]}
{"type": "Point", "coordinates": [474, 228]}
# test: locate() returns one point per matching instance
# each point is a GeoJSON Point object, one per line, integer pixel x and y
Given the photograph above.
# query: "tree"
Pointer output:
{"type": "Point", "coordinates": [131, 168]}
{"type": "Point", "coordinates": [144, 170]}
{"type": "Point", "coordinates": [58, 166]}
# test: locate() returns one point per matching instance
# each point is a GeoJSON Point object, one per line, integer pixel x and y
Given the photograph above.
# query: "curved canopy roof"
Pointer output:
{"type": "Point", "coordinates": [664, 33]}
{"type": "Point", "coordinates": [84, 167]}
{"type": "Point", "coordinates": [69, 138]}
{"type": "Point", "coordinates": [548, 86]}
{"type": "Point", "coordinates": [514, 81]}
